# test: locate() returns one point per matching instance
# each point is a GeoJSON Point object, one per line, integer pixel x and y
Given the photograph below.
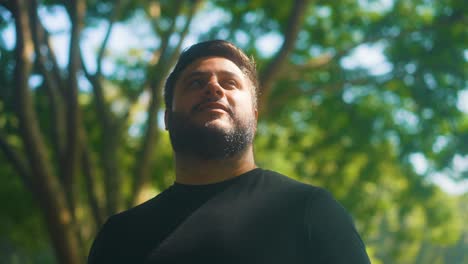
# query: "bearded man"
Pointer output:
{"type": "Point", "coordinates": [222, 208]}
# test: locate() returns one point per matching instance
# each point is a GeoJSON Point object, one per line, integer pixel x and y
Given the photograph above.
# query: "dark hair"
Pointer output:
{"type": "Point", "coordinates": [218, 48]}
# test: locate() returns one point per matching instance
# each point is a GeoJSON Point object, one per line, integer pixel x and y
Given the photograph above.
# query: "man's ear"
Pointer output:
{"type": "Point", "coordinates": [256, 120]}
{"type": "Point", "coordinates": [166, 117]}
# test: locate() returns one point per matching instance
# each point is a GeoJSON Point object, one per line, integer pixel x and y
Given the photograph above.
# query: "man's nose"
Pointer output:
{"type": "Point", "coordinates": [213, 88]}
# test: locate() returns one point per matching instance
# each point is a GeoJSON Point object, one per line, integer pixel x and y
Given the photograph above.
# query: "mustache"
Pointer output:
{"type": "Point", "coordinates": [199, 106]}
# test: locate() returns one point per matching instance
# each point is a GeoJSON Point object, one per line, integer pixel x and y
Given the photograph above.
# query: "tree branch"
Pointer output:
{"type": "Point", "coordinates": [45, 186]}
{"type": "Point", "coordinates": [52, 84]}
{"type": "Point", "coordinates": [69, 172]}
{"type": "Point", "coordinates": [85, 70]}
{"type": "Point", "coordinates": [267, 77]}
{"type": "Point", "coordinates": [165, 37]}
{"type": "Point", "coordinates": [90, 179]}
{"type": "Point", "coordinates": [295, 71]}
{"type": "Point", "coordinates": [18, 162]}
{"type": "Point", "coordinates": [175, 53]}
{"type": "Point", "coordinates": [150, 139]}
{"type": "Point", "coordinates": [328, 88]}
{"type": "Point", "coordinates": [108, 155]}
{"type": "Point", "coordinates": [326, 59]}
{"type": "Point", "coordinates": [8, 5]}
{"type": "Point", "coordinates": [112, 18]}
{"type": "Point", "coordinates": [55, 69]}
{"type": "Point", "coordinates": [101, 106]}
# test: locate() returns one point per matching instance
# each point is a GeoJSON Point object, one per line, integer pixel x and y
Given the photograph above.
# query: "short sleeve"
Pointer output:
{"type": "Point", "coordinates": [331, 235]}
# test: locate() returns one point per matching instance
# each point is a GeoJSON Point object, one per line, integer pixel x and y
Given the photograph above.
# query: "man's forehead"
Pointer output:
{"type": "Point", "coordinates": [220, 64]}
{"type": "Point", "coordinates": [204, 73]}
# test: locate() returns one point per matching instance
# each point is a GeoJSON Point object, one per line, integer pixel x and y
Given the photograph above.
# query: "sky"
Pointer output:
{"type": "Point", "coordinates": [125, 37]}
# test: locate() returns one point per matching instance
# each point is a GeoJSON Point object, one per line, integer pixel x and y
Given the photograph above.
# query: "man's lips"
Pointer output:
{"type": "Point", "coordinates": [211, 105]}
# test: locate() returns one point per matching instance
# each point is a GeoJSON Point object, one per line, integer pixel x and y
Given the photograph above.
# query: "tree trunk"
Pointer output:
{"type": "Point", "coordinates": [45, 185]}
{"type": "Point", "coordinates": [269, 75]}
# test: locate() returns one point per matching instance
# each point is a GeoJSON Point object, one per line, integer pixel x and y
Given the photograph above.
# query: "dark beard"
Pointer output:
{"type": "Point", "coordinates": [209, 143]}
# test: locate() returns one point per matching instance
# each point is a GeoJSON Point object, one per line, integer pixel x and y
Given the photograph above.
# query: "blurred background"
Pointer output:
{"type": "Point", "coordinates": [368, 99]}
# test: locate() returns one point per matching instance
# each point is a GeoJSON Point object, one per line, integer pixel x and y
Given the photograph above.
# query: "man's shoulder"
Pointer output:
{"type": "Point", "coordinates": [314, 194]}
{"type": "Point", "coordinates": [277, 181]}
{"type": "Point", "coordinates": [123, 234]}
{"type": "Point", "coordinates": [275, 177]}
{"type": "Point", "coordinates": [141, 211]}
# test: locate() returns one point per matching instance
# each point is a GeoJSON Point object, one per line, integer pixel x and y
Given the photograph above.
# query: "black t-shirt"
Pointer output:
{"type": "Point", "coordinates": [258, 217]}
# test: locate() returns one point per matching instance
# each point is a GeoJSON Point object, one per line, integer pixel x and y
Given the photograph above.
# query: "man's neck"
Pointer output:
{"type": "Point", "coordinates": [195, 171]}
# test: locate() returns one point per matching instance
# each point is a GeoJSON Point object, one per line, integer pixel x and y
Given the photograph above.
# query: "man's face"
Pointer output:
{"type": "Point", "coordinates": [213, 99]}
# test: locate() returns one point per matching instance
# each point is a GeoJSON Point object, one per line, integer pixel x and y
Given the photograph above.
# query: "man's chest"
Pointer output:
{"type": "Point", "coordinates": [235, 231]}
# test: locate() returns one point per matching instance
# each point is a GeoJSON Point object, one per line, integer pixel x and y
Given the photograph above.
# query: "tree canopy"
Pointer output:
{"type": "Point", "coordinates": [353, 96]}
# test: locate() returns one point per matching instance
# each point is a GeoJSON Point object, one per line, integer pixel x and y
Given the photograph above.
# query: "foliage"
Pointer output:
{"type": "Point", "coordinates": [84, 139]}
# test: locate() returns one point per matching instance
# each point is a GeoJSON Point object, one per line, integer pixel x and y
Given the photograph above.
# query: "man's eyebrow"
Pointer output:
{"type": "Point", "coordinates": [230, 73]}
{"type": "Point", "coordinates": [188, 76]}
{"type": "Point", "coordinates": [205, 73]}
{"type": "Point", "coordinates": [195, 73]}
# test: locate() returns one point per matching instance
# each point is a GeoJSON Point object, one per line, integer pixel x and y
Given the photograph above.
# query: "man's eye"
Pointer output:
{"type": "Point", "coordinates": [195, 84]}
{"type": "Point", "coordinates": [230, 84]}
